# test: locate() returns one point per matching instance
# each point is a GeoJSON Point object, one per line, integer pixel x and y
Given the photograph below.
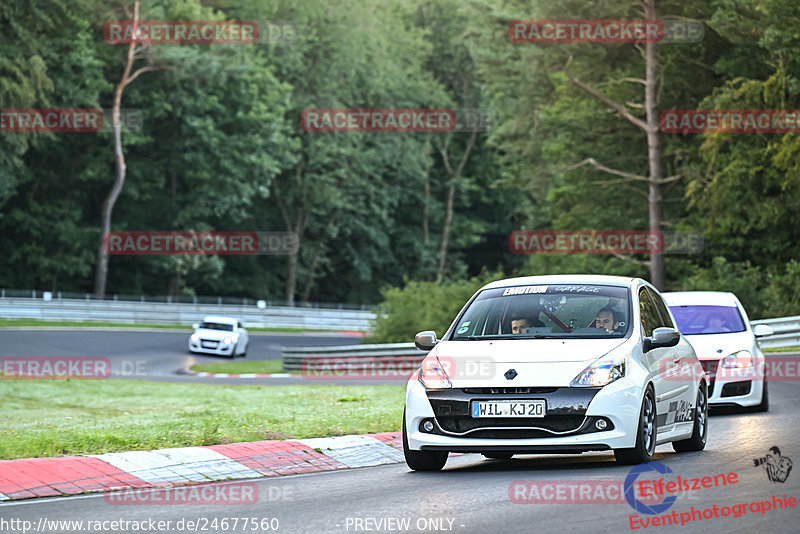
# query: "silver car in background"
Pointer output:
{"type": "Point", "coordinates": [717, 326]}
{"type": "Point", "coordinates": [222, 336]}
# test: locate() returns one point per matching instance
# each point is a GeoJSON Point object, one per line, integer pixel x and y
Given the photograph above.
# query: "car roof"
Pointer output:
{"type": "Point", "coordinates": [563, 279]}
{"type": "Point", "coordinates": [700, 298]}
{"type": "Point", "coordinates": [219, 319]}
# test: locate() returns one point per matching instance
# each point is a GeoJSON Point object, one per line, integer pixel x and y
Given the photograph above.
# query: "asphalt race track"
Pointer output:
{"type": "Point", "coordinates": [160, 356]}
{"type": "Point", "coordinates": [475, 495]}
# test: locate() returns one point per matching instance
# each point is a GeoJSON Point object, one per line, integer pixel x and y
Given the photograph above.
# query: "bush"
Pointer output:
{"type": "Point", "coordinates": [764, 292]}
{"type": "Point", "coordinates": [423, 306]}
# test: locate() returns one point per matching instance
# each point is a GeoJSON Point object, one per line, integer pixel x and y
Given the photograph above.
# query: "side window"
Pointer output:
{"type": "Point", "coordinates": [648, 311]}
{"type": "Point", "coordinates": [662, 310]}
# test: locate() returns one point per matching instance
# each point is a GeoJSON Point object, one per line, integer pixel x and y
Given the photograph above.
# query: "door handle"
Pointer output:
{"type": "Point", "coordinates": [677, 359]}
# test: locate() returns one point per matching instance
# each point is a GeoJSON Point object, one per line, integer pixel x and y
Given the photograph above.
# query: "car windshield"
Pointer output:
{"type": "Point", "coordinates": [707, 319]}
{"type": "Point", "coordinates": [217, 326]}
{"type": "Point", "coordinates": [546, 311]}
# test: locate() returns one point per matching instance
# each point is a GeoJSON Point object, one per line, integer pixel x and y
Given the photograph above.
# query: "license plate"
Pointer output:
{"type": "Point", "coordinates": [520, 408]}
{"type": "Point", "coordinates": [210, 344]}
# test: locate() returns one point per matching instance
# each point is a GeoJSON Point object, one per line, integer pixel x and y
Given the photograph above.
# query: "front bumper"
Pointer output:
{"type": "Point", "coordinates": [568, 425]}
{"type": "Point", "coordinates": [730, 387]}
{"type": "Point", "coordinates": [203, 347]}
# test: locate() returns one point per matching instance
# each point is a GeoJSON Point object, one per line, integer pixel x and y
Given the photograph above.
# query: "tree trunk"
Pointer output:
{"type": "Point", "coordinates": [451, 193]}
{"type": "Point", "coordinates": [425, 231]}
{"type": "Point", "coordinates": [298, 227]}
{"type": "Point", "coordinates": [315, 259]}
{"type": "Point", "coordinates": [654, 198]}
{"type": "Point", "coordinates": [175, 283]}
{"type": "Point", "coordinates": [650, 127]}
{"type": "Point", "coordinates": [291, 276]}
{"type": "Point", "coordinates": [448, 221]}
{"type": "Point", "coordinates": [101, 274]}
{"type": "Point", "coordinates": [310, 273]}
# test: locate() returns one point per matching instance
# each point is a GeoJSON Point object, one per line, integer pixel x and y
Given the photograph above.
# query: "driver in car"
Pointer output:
{"type": "Point", "coordinates": [716, 324]}
{"type": "Point", "coordinates": [520, 325]}
{"type": "Point", "coordinates": [609, 320]}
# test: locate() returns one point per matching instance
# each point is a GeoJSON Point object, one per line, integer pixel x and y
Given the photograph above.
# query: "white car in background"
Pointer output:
{"type": "Point", "coordinates": [717, 326]}
{"type": "Point", "coordinates": [555, 364]}
{"type": "Point", "coordinates": [223, 336]}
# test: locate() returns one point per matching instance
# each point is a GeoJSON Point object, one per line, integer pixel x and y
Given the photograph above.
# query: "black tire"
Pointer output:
{"type": "Point", "coordinates": [422, 460]}
{"type": "Point", "coordinates": [498, 455]}
{"type": "Point", "coordinates": [700, 429]}
{"type": "Point", "coordinates": [763, 406]}
{"type": "Point", "coordinates": [646, 434]}
{"type": "Point", "coordinates": [244, 352]}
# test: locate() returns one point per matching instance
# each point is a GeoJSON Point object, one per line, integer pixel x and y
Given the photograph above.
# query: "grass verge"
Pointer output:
{"type": "Point", "coordinates": [782, 349]}
{"type": "Point", "coordinates": [90, 324]}
{"type": "Point", "coordinates": [255, 366]}
{"type": "Point", "coordinates": [64, 417]}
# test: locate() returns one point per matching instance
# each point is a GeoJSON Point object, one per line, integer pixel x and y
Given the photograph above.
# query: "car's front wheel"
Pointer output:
{"type": "Point", "coordinates": [697, 442]}
{"type": "Point", "coordinates": [422, 460]}
{"type": "Point", "coordinates": [645, 434]}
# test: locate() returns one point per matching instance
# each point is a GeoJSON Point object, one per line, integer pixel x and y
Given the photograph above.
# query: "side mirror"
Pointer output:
{"type": "Point", "coordinates": [662, 337]}
{"type": "Point", "coordinates": [196, 326]}
{"type": "Point", "coordinates": [425, 340]}
{"type": "Point", "coordinates": [762, 330]}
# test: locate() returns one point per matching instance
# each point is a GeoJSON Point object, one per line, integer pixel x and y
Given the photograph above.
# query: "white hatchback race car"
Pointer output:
{"type": "Point", "coordinates": [223, 336]}
{"type": "Point", "coordinates": [556, 364]}
{"type": "Point", "coordinates": [717, 326]}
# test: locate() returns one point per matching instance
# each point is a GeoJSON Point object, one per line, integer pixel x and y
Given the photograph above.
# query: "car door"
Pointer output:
{"type": "Point", "coordinates": [680, 393]}
{"type": "Point", "coordinates": [657, 360]}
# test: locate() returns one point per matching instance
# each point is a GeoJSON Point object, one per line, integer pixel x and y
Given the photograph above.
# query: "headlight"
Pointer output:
{"type": "Point", "coordinates": [432, 374]}
{"type": "Point", "coordinates": [601, 373]}
{"type": "Point", "coordinates": [227, 341]}
{"type": "Point", "coordinates": [195, 337]}
{"type": "Point", "coordinates": [738, 360]}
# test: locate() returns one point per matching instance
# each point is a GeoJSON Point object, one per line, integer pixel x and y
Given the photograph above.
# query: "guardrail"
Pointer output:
{"type": "Point", "coordinates": [787, 334]}
{"type": "Point", "coordinates": [180, 299]}
{"type": "Point", "coordinates": [128, 312]}
{"type": "Point", "coordinates": [386, 352]}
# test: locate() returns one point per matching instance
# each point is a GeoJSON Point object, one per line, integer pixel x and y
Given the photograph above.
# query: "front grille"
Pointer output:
{"type": "Point", "coordinates": [506, 391]}
{"type": "Point", "coordinates": [556, 423]}
{"type": "Point", "coordinates": [566, 412]}
{"type": "Point", "coordinates": [510, 434]}
{"type": "Point", "coordinates": [559, 401]}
